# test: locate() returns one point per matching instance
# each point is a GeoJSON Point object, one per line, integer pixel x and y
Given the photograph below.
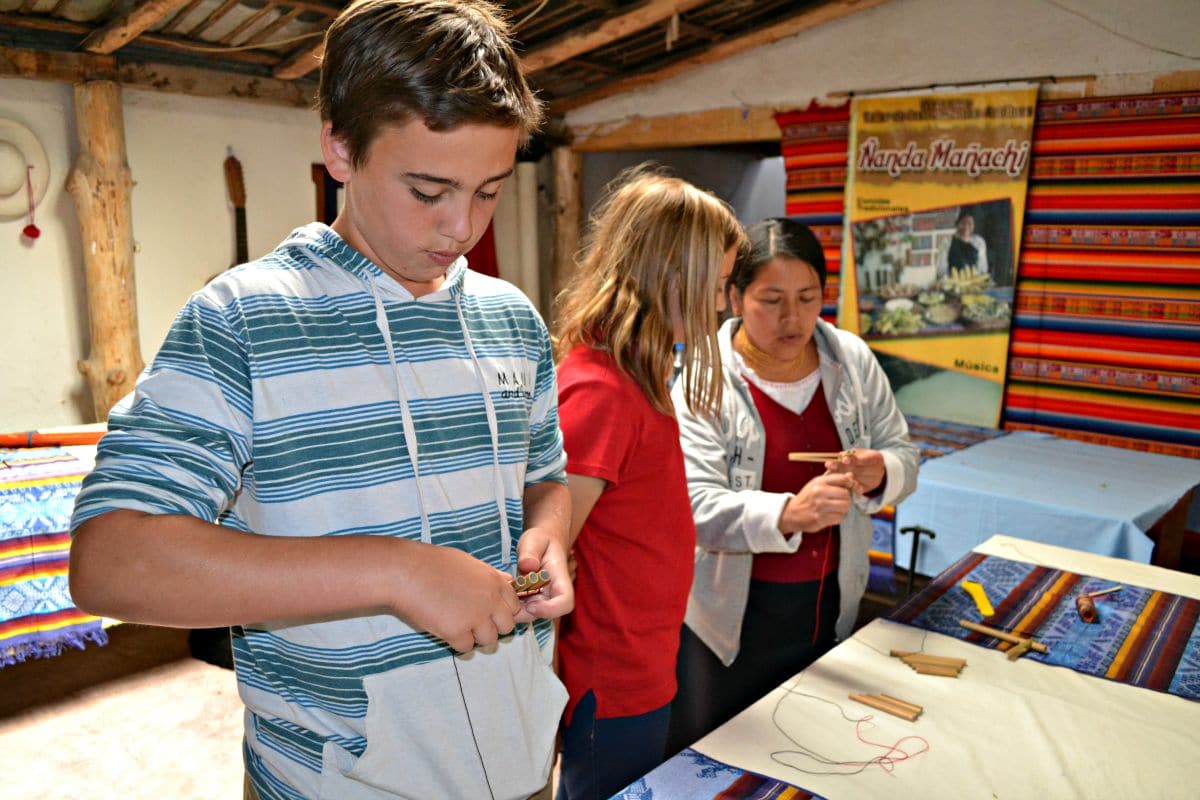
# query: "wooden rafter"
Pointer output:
{"type": "Point", "coordinates": [800, 22]}
{"type": "Point", "coordinates": [246, 24]}
{"type": "Point", "coordinates": [213, 17]}
{"type": "Point", "coordinates": [181, 16]}
{"type": "Point", "coordinates": [267, 30]}
{"type": "Point", "coordinates": [301, 63]}
{"type": "Point", "coordinates": [127, 27]}
{"type": "Point", "coordinates": [605, 32]}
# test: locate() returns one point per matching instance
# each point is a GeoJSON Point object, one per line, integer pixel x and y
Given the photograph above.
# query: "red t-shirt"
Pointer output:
{"type": "Point", "coordinates": [635, 550]}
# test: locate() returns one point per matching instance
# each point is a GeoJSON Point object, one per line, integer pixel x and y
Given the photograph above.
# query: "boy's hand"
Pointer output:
{"type": "Point", "coordinates": [458, 598]}
{"type": "Point", "coordinates": [539, 549]}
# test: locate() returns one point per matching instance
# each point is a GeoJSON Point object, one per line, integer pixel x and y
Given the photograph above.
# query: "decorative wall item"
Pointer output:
{"type": "Point", "coordinates": [1106, 324]}
{"type": "Point", "coordinates": [934, 196]}
{"type": "Point", "coordinates": [24, 175]}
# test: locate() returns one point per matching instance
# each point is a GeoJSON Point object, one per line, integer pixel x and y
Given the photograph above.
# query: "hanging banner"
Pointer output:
{"type": "Point", "coordinates": [935, 199]}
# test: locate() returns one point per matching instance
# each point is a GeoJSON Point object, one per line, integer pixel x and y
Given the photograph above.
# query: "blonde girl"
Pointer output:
{"type": "Point", "coordinates": [640, 312]}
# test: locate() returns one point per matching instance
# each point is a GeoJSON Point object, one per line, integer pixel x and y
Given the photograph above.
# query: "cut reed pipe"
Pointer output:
{"type": "Point", "coordinates": [1003, 636]}
{"type": "Point", "coordinates": [1109, 590]}
{"type": "Point", "coordinates": [936, 669]}
{"type": "Point", "coordinates": [887, 706]}
{"type": "Point", "coordinates": [903, 703]}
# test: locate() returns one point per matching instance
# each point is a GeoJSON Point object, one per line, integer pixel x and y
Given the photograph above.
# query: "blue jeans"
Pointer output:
{"type": "Point", "coordinates": [600, 757]}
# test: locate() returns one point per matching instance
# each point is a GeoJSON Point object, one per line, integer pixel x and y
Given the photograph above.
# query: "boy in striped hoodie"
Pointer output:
{"type": "Point", "coordinates": [346, 448]}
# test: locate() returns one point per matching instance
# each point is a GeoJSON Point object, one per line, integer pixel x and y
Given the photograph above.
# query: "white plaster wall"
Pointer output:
{"type": "Point", "coordinates": [906, 43]}
{"type": "Point", "coordinates": [182, 226]}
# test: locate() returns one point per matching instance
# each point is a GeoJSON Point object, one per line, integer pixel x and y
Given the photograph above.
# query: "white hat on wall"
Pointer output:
{"type": "Point", "coordinates": [20, 150]}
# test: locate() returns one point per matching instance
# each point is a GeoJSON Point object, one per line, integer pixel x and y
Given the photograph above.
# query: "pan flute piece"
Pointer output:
{"type": "Point", "coordinates": [1003, 636]}
{"type": "Point", "coordinates": [530, 583]}
{"type": "Point", "coordinates": [1109, 590]}
{"type": "Point", "coordinates": [910, 656]}
{"type": "Point", "coordinates": [926, 664]}
{"type": "Point", "coordinates": [889, 705]}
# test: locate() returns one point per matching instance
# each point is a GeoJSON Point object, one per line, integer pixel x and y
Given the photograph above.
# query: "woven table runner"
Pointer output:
{"type": "Point", "coordinates": [1143, 637]}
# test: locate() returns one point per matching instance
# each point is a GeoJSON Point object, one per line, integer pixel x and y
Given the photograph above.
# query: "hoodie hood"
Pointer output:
{"type": "Point", "coordinates": [323, 245]}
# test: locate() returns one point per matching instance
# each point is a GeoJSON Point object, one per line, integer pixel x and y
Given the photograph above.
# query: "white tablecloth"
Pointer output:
{"type": "Point", "coordinates": [1043, 488]}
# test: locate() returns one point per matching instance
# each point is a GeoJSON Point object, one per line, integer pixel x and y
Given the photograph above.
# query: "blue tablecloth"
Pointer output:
{"type": "Point", "coordinates": [1058, 491]}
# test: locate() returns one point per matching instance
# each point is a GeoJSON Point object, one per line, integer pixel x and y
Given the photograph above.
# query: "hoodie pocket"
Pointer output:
{"type": "Point", "coordinates": [481, 724]}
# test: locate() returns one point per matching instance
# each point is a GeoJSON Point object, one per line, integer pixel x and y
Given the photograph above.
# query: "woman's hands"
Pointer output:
{"type": "Point", "coordinates": [822, 502]}
{"type": "Point", "coordinates": [825, 500]}
{"type": "Point", "coordinates": [866, 466]}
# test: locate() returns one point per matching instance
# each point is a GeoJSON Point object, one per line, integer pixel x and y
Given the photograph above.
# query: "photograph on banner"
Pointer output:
{"type": "Point", "coordinates": [935, 199]}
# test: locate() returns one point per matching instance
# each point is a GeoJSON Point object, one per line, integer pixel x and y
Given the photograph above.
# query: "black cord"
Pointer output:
{"type": "Point", "coordinates": [471, 726]}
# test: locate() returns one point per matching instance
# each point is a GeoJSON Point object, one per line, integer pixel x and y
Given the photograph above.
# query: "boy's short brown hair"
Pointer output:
{"type": "Point", "coordinates": [445, 62]}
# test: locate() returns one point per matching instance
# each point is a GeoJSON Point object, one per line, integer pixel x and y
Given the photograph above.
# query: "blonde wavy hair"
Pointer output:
{"type": "Point", "coordinates": [653, 237]}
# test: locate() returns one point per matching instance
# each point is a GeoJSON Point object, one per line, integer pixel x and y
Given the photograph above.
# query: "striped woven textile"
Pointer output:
{"type": "Point", "coordinates": [1144, 637]}
{"type": "Point", "coordinates": [691, 775]}
{"type": "Point", "coordinates": [814, 156]}
{"type": "Point", "coordinates": [1106, 335]}
{"type": "Point", "coordinates": [37, 617]}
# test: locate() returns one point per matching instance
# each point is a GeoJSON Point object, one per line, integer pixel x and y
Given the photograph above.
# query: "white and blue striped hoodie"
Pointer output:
{"type": "Point", "coordinates": [278, 405]}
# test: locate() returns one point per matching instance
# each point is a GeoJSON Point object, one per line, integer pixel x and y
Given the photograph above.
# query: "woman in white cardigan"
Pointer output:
{"type": "Point", "coordinates": [781, 557]}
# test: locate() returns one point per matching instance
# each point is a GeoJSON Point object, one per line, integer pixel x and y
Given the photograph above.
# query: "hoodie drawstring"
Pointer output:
{"type": "Point", "coordinates": [410, 433]}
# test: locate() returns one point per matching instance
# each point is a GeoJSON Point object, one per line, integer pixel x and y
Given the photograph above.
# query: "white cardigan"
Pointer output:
{"type": "Point", "coordinates": [736, 519]}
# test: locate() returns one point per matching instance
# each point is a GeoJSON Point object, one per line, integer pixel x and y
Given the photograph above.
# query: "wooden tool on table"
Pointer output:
{"type": "Point", "coordinates": [530, 583]}
{"type": "Point", "coordinates": [1023, 643]}
{"type": "Point", "coordinates": [237, 198]}
{"type": "Point", "coordinates": [975, 589]}
{"type": "Point", "coordinates": [819, 458]}
{"type": "Point", "coordinates": [1085, 606]}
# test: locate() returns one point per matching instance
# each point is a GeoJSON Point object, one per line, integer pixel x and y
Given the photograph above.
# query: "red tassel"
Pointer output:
{"type": "Point", "coordinates": [30, 230]}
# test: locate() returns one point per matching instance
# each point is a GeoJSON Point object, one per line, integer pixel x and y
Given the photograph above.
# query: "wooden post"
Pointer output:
{"type": "Point", "coordinates": [100, 185]}
{"type": "Point", "coordinates": [568, 214]}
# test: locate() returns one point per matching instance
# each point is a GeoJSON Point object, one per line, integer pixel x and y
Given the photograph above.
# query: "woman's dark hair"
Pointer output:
{"type": "Point", "coordinates": [964, 212]}
{"type": "Point", "coordinates": [445, 62]}
{"type": "Point", "coordinates": [772, 238]}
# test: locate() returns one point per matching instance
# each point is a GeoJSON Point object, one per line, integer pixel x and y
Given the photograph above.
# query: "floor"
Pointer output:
{"type": "Point", "coordinates": [137, 718]}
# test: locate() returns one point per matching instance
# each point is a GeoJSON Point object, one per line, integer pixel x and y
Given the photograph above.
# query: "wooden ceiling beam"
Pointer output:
{"type": "Point", "coordinates": [77, 67]}
{"type": "Point", "coordinates": [605, 32]}
{"type": "Point", "coordinates": [127, 27]}
{"type": "Point", "coordinates": [695, 129]}
{"type": "Point", "coordinates": [798, 23]}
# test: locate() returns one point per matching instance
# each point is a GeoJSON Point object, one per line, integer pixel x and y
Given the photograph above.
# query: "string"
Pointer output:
{"type": "Point", "coordinates": [821, 586]}
{"type": "Point", "coordinates": [886, 762]}
{"type": "Point", "coordinates": [471, 727]}
{"type": "Point", "coordinates": [921, 649]}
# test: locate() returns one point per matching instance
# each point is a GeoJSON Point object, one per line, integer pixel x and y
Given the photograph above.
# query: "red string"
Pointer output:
{"type": "Point", "coordinates": [887, 761]}
{"type": "Point", "coordinates": [821, 586]}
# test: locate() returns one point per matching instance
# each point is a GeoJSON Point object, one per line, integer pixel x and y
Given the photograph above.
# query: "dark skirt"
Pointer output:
{"type": "Point", "coordinates": [783, 632]}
